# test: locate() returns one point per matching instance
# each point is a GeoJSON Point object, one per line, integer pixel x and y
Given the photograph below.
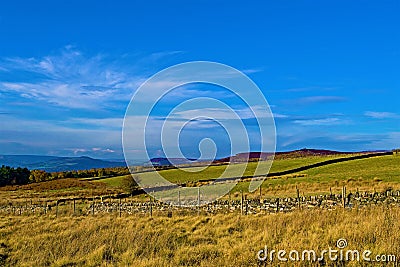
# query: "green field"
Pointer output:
{"type": "Point", "coordinates": [113, 181]}
{"type": "Point", "coordinates": [194, 174]}
{"type": "Point", "coordinates": [370, 174]}
{"type": "Point", "coordinates": [363, 174]}
{"type": "Point", "coordinates": [366, 174]}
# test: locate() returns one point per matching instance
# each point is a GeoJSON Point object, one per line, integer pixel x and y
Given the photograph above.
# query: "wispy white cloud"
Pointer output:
{"type": "Point", "coordinates": [381, 115]}
{"type": "Point", "coordinates": [318, 99]}
{"type": "Point", "coordinates": [227, 114]}
{"type": "Point", "coordinates": [317, 89]}
{"type": "Point", "coordinates": [310, 88]}
{"type": "Point", "coordinates": [251, 71]}
{"type": "Point", "coordinates": [158, 55]}
{"type": "Point", "coordinates": [79, 88]}
{"type": "Point", "coordinates": [108, 123]}
{"type": "Point", "coordinates": [72, 79]}
{"type": "Point", "coordinates": [45, 136]}
{"type": "Point", "coordinates": [320, 122]}
{"type": "Point", "coordinates": [95, 150]}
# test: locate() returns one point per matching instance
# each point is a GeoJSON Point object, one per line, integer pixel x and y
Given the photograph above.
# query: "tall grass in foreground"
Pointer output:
{"type": "Point", "coordinates": [220, 240]}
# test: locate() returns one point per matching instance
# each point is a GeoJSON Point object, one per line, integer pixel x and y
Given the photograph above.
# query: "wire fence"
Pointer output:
{"type": "Point", "coordinates": [123, 204]}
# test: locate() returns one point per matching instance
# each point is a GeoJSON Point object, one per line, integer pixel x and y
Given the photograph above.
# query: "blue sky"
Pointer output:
{"type": "Point", "coordinates": [329, 69]}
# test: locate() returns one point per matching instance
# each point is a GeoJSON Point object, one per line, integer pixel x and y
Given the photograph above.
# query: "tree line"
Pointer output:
{"type": "Point", "coordinates": [21, 176]}
{"type": "Point", "coordinates": [13, 176]}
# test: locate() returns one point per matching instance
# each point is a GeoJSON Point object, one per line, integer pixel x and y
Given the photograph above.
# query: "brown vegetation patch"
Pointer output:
{"type": "Point", "coordinates": [58, 184]}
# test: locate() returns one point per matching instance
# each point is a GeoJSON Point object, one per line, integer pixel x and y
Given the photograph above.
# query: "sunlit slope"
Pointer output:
{"type": "Point", "coordinates": [386, 169]}
{"type": "Point", "coordinates": [364, 174]}
{"type": "Point", "coordinates": [198, 173]}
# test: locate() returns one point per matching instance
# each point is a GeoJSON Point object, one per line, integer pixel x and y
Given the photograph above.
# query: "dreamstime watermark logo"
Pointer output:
{"type": "Point", "coordinates": [146, 127]}
{"type": "Point", "coordinates": [340, 253]}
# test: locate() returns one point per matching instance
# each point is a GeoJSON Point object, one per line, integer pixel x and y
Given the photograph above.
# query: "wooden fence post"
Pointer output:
{"type": "Point", "coordinates": [246, 205]}
{"type": "Point", "coordinates": [74, 206]}
{"type": "Point", "coordinates": [229, 201]}
{"type": "Point", "coordinates": [57, 208]}
{"type": "Point", "coordinates": [120, 207]}
{"type": "Point", "coordinates": [198, 201]}
{"type": "Point", "coordinates": [344, 196]}
{"type": "Point", "coordinates": [277, 204]}
{"type": "Point", "coordinates": [298, 197]}
{"type": "Point", "coordinates": [241, 203]}
{"type": "Point", "coordinates": [151, 206]}
{"type": "Point", "coordinates": [152, 202]}
{"type": "Point", "coordinates": [93, 206]}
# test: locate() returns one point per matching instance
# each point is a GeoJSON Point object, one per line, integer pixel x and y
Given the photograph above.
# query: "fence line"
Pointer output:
{"type": "Point", "coordinates": [85, 206]}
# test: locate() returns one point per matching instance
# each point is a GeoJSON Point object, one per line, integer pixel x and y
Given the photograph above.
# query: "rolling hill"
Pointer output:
{"type": "Point", "coordinates": [55, 164]}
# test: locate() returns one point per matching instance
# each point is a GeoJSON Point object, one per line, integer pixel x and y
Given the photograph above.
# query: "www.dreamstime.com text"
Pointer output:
{"type": "Point", "coordinates": [330, 254]}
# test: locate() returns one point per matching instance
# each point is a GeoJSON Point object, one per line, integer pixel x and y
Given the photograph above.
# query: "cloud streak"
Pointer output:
{"type": "Point", "coordinates": [309, 100]}
{"type": "Point", "coordinates": [381, 115]}
{"type": "Point", "coordinates": [57, 138]}
{"type": "Point", "coordinates": [72, 80]}
{"type": "Point", "coordinates": [319, 122]}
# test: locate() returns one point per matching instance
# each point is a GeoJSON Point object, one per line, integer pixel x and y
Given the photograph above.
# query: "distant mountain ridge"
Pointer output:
{"type": "Point", "coordinates": [56, 164]}
{"type": "Point", "coordinates": [241, 157]}
{"type": "Point", "coordinates": [169, 161]}
{"type": "Point", "coordinates": [251, 156]}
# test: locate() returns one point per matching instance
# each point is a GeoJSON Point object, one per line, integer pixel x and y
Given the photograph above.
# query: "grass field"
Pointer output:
{"type": "Point", "coordinates": [215, 240]}
{"type": "Point", "coordinates": [220, 240]}
{"type": "Point", "coordinates": [363, 174]}
{"type": "Point", "coordinates": [112, 181]}
{"type": "Point", "coordinates": [194, 174]}
{"type": "Point", "coordinates": [212, 172]}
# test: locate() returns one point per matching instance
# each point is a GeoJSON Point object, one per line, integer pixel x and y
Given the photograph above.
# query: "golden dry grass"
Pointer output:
{"type": "Point", "coordinates": [220, 240]}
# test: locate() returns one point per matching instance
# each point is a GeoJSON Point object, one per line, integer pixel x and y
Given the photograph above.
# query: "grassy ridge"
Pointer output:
{"type": "Point", "coordinates": [220, 240]}
{"type": "Point", "coordinates": [216, 171]}
{"type": "Point", "coordinates": [193, 175]}
{"type": "Point", "coordinates": [364, 174]}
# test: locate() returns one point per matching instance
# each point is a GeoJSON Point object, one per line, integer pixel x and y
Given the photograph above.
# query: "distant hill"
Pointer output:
{"type": "Point", "coordinates": [305, 152]}
{"type": "Point", "coordinates": [56, 164]}
{"type": "Point", "coordinates": [310, 152]}
{"type": "Point", "coordinates": [243, 157]}
{"type": "Point", "coordinates": [253, 156]}
{"type": "Point", "coordinates": [170, 161]}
